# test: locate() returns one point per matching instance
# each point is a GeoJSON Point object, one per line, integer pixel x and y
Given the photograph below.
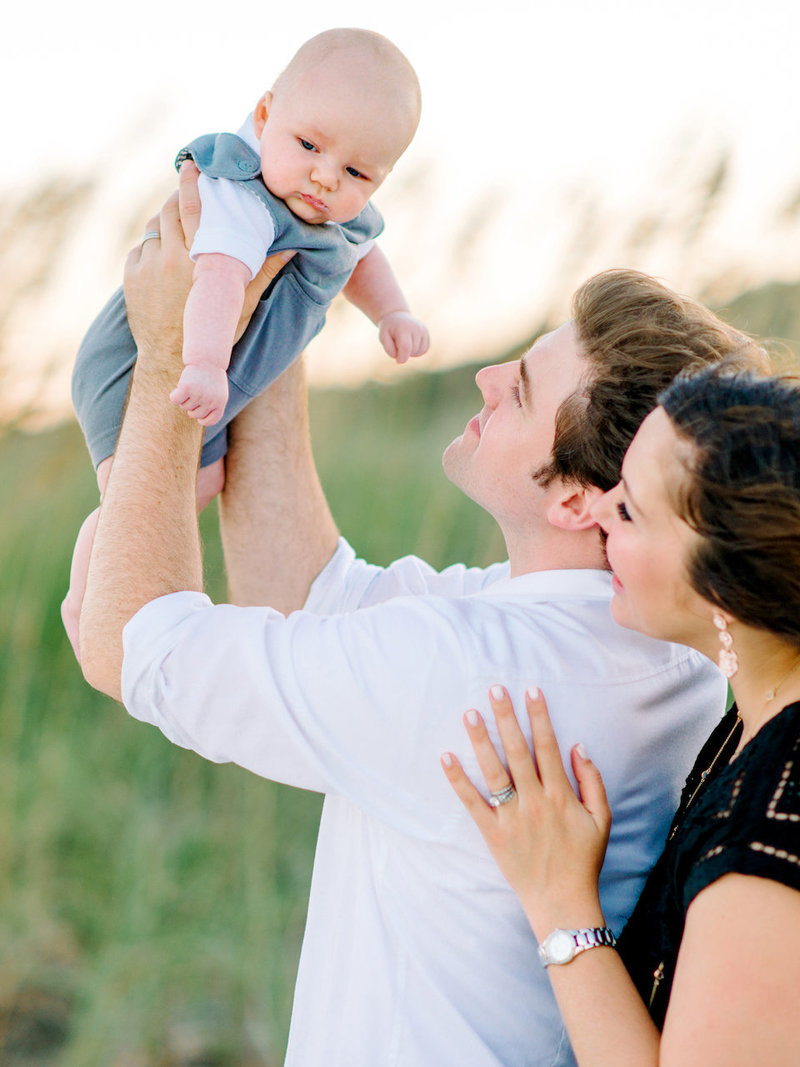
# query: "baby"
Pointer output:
{"type": "Point", "coordinates": [299, 175]}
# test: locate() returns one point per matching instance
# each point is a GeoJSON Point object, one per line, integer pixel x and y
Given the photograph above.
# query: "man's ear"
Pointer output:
{"type": "Point", "coordinates": [572, 508]}
{"type": "Point", "coordinates": [261, 113]}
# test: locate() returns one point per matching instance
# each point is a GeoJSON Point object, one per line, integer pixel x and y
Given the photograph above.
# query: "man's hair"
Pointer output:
{"type": "Point", "coordinates": [636, 335]}
{"type": "Point", "coordinates": [741, 493]}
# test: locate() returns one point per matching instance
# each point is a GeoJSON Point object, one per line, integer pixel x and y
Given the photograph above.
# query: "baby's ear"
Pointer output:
{"type": "Point", "coordinates": [261, 113]}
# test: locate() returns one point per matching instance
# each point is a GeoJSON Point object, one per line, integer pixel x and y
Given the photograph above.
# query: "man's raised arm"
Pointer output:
{"type": "Point", "coordinates": [147, 542]}
{"type": "Point", "coordinates": [277, 529]}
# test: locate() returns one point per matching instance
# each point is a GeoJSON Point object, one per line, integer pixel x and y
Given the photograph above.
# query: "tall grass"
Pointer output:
{"type": "Point", "coordinates": [152, 904]}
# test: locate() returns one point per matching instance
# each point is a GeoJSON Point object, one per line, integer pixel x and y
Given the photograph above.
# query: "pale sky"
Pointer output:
{"type": "Point", "coordinates": [546, 130]}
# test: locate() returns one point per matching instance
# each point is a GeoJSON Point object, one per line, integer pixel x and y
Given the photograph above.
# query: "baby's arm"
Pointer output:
{"type": "Point", "coordinates": [210, 319]}
{"type": "Point", "coordinates": [373, 289]}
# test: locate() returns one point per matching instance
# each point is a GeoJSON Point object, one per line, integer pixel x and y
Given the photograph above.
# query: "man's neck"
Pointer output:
{"type": "Point", "coordinates": [559, 551]}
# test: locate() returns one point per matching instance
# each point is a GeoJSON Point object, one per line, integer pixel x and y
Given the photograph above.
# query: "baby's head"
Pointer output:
{"type": "Point", "coordinates": [335, 123]}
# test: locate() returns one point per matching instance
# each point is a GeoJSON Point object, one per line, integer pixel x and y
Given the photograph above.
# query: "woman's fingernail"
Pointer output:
{"type": "Point", "coordinates": [472, 717]}
{"type": "Point", "coordinates": [447, 759]}
{"type": "Point", "coordinates": [581, 750]}
{"type": "Point", "coordinates": [533, 692]}
{"type": "Point", "coordinates": [497, 692]}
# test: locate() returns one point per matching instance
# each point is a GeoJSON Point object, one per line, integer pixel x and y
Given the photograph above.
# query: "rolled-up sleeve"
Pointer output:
{"type": "Point", "coordinates": [334, 704]}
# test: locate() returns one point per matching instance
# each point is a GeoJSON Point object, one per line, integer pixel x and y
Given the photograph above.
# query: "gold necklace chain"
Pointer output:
{"type": "Point", "coordinates": [705, 774]}
{"type": "Point", "coordinates": [771, 694]}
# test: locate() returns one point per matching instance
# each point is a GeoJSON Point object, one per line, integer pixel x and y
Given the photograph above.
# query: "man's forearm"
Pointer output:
{"type": "Point", "coordinates": [277, 529]}
{"type": "Point", "coordinates": [147, 542]}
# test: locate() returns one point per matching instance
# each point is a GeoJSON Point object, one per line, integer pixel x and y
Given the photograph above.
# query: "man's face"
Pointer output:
{"type": "Point", "coordinates": [512, 436]}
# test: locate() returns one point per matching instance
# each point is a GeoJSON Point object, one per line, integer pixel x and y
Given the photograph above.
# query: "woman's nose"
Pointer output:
{"type": "Point", "coordinates": [602, 510]}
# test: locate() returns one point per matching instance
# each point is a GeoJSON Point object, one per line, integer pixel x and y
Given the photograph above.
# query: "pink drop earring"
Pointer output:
{"type": "Point", "coordinates": [727, 659]}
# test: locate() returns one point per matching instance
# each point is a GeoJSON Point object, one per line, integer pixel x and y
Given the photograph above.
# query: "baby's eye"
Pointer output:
{"type": "Point", "coordinates": [306, 144]}
{"type": "Point", "coordinates": [356, 173]}
{"type": "Point", "coordinates": [623, 513]}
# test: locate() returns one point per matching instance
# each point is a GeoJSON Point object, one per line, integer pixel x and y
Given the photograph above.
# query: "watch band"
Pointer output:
{"type": "Point", "coordinates": [562, 946]}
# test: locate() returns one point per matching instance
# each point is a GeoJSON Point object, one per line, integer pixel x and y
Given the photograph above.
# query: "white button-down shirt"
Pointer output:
{"type": "Point", "coordinates": [416, 951]}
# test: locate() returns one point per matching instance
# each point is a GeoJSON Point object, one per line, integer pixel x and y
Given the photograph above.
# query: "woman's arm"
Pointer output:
{"type": "Point", "coordinates": [734, 997]}
{"type": "Point", "coordinates": [733, 1000]}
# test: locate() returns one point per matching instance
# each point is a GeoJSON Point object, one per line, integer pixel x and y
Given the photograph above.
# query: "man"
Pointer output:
{"type": "Point", "coordinates": [416, 951]}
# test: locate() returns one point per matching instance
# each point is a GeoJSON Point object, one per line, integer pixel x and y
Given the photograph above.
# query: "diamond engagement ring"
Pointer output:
{"type": "Point", "coordinates": [151, 235]}
{"type": "Point", "coordinates": [502, 796]}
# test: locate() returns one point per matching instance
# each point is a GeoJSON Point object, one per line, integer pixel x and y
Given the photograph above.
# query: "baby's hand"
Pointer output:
{"type": "Point", "coordinates": [202, 392]}
{"type": "Point", "coordinates": [403, 336]}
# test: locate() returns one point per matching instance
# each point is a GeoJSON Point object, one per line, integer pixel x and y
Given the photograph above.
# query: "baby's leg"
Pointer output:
{"type": "Point", "coordinates": [210, 481]}
{"type": "Point", "coordinates": [71, 604]}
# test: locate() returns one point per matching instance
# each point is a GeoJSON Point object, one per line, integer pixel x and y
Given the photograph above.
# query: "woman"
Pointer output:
{"type": "Point", "coordinates": [704, 542]}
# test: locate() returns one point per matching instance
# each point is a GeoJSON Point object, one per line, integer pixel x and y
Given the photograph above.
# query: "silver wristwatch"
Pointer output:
{"type": "Point", "coordinates": [561, 946]}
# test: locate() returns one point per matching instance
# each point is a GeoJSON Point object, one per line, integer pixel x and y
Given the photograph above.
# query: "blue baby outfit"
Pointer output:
{"type": "Point", "coordinates": [287, 317]}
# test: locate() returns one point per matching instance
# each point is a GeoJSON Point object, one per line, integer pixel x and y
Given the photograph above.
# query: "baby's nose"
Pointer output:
{"type": "Point", "coordinates": [324, 173]}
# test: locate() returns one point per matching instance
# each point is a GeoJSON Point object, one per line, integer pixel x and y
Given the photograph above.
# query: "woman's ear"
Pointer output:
{"type": "Point", "coordinates": [572, 510]}
{"type": "Point", "coordinates": [261, 113]}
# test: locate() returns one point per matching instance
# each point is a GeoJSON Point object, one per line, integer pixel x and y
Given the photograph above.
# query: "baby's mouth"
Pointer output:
{"type": "Point", "coordinates": [318, 205]}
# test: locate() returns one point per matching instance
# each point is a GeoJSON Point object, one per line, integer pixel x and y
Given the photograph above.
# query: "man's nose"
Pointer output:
{"type": "Point", "coordinates": [490, 382]}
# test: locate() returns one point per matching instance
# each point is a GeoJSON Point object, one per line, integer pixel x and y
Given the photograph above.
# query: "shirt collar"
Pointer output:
{"type": "Point", "coordinates": [579, 584]}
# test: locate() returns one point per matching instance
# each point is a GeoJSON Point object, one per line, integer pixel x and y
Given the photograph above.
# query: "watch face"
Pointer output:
{"type": "Point", "coordinates": [560, 946]}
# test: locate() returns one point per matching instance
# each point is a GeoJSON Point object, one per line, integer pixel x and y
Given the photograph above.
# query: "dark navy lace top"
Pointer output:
{"type": "Point", "coordinates": [743, 818]}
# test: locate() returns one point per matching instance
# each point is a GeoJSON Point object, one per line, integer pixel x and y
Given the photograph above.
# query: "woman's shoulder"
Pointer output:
{"type": "Point", "coordinates": [750, 820]}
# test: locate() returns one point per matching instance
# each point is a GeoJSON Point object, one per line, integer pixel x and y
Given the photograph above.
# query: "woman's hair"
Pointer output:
{"type": "Point", "coordinates": [635, 335]}
{"type": "Point", "coordinates": [742, 493]}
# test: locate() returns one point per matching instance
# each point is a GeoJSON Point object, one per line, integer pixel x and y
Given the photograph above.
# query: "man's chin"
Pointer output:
{"type": "Point", "coordinates": [451, 464]}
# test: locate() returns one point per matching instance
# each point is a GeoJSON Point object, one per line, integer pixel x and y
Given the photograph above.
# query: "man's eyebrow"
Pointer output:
{"type": "Point", "coordinates": [525, 383]}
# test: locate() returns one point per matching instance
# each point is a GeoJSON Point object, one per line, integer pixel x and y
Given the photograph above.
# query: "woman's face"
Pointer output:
{"type": "Point", "coordinates": [649, 543]}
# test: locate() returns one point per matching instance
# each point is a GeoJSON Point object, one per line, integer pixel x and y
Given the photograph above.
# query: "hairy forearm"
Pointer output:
{"type": "Point", "coordinates": [147, 543]}
{"type": "Point", "coordinates": [277, 529]}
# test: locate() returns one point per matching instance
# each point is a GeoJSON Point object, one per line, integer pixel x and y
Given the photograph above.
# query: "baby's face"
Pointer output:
{"type": "Point", "coordinates": [325, 147]}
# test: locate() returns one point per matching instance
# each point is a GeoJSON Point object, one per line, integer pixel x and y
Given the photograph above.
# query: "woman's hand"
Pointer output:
{"type": "Point", "coordinates": [548, 843]}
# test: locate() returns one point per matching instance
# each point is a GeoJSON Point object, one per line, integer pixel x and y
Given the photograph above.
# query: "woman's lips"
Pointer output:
{"type": "Point", "coordinates": [616, 584]}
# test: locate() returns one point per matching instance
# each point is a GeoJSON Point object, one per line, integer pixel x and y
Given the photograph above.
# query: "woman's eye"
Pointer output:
{"type": "Point", "coordinates": [623, 513]}
{"type": "Point", "coordinates": [515, 394]}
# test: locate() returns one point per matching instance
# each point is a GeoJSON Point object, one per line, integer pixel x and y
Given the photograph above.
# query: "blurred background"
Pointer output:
{"type": "Point", "coordinates": [151, 905]}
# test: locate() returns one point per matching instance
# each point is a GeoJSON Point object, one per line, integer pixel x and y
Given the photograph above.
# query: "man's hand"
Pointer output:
{"type": "Point", "coordinates": [157, 279]}
{"type": "Point", "coordinates": [158, 275]}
